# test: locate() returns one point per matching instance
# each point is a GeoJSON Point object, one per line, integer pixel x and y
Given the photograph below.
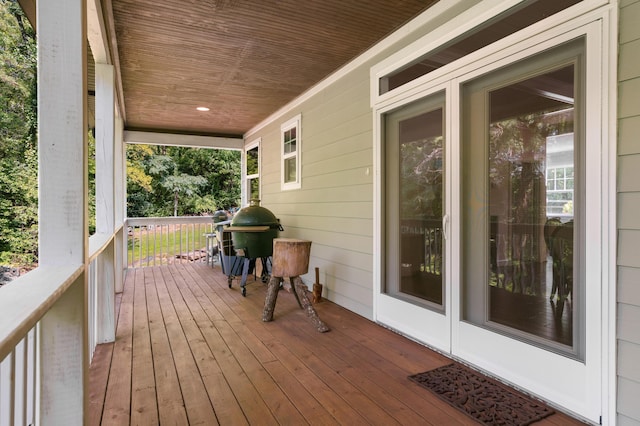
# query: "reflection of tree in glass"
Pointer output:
{"type": "Point", "coordinates": [421, 178]}
{"type": "Point", "coordinates": [517, 161]}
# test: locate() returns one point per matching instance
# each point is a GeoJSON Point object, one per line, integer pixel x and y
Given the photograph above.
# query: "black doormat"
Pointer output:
{"type": "Point", "coordinates": [483, 399]}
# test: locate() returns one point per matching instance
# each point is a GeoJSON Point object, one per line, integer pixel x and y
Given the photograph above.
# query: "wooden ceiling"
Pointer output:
{"type": "Point", "coordinates": [243, 59]}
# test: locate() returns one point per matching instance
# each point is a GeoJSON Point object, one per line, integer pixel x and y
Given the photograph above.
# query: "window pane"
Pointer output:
{"type": "Point", "coordinates": [290, 170]}
{"type": "Point", "coordinates": [421, 198]}
{"type": "Point", "coordinates": [415, 198]}
{"type": "Point", "coordinates": [517, 201]}
{"type": "Point", "coordinates": [290, 147]}
{"type": "Point", "coordinates": [254, 189]}
{"type": "Point", "coordinates": [508, 23]}
{"type": "Point", "coordinates": [518, 238]}
{"type": "Point", "coordinates": [252, 161]}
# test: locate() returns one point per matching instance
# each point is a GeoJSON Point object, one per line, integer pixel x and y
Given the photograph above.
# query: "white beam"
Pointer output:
{"type": "Point", "coordinates": [156, 138]}
{"type": "Point", "coordinates": [62, 210]}
{"type": "Point", "coordinates": [96, 33]}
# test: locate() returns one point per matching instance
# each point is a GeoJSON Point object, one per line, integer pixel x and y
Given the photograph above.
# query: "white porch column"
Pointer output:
{"type": "Point", "coordinates": [121, 204]}
{"type": "Point", "coordinates": [105, 199]}
{"type": "Point", "coordinates": [63, 241]}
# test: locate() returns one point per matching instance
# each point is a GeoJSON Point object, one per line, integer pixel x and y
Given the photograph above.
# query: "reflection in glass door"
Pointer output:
{"type": "Point", "coordinates": [521, 158]}
{"type": "Point", "coordinates": [414, 193]}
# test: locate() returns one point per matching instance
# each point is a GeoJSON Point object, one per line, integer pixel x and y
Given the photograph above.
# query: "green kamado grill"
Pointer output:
{"type": "Point", "coordinates": [253, 229]}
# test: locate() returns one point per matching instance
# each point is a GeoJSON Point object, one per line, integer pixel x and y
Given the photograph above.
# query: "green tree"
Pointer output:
{"type": "Point", "coordinates": [214, 180]}
{"type": "Point", "coordinates": [221, 169]}
{"type": "Point", "coordinates": [182, 184]}
{"type": "Point", "coordinates": [18, 143]}
{"type": "Point", "coordinates": [165, 169]}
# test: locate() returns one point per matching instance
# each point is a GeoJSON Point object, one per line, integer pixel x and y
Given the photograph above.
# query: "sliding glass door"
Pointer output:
{"type": "Point", "coordinates": [522, 198]}
{"type": "Point", "coordinates": [415, 245]}
{"type": "Point", "coordinates": [491, 218]}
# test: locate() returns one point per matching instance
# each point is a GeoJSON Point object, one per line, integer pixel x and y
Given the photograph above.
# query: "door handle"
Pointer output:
{"type": "Point", "coordinates": [445, 226]}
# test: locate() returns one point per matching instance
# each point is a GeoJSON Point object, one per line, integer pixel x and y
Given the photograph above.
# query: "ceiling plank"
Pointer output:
{"type": "Point", "coordinates": [242, 59]}
{"type": "Point", "coordinates": [29, 9]}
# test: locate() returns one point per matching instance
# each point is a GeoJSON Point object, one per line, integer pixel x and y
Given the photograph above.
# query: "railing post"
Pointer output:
{"type": "Point", "coordinates": [63, 233]}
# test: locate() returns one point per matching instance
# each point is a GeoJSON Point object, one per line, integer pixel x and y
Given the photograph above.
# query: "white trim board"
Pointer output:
{"type": "Point", "coordinates": [153, 138]}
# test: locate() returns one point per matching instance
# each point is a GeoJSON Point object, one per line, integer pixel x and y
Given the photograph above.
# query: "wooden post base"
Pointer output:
{"type": "Point", "coordinates": [300, 291]}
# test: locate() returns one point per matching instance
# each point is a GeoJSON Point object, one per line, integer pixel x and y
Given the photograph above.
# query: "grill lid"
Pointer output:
{"type": "Point", "coordinates": [255, 215]}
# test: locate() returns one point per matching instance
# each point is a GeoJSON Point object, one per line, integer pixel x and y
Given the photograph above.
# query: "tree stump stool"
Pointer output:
{"type": "Point", "coordinates": [290, 259]}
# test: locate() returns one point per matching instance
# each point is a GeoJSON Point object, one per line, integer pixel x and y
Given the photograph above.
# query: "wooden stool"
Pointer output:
{"type": "Point", "coordinates": [290, 259]}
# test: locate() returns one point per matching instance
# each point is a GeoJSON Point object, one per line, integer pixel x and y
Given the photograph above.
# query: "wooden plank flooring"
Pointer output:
{"type": "Point", "coordinates": [191, 351]}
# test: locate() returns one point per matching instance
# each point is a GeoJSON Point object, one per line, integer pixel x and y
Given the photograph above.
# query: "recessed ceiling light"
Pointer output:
{"type": "Point", "coordinates": [202, 109]}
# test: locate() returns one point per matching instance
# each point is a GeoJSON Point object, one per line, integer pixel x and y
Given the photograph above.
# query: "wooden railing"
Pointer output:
{"type": "Point", "coordinates": [165, 240]}
{"type": "Point", "coordinates": [27, 301]}
{"type": "Point", "coordinates": [18, 383]}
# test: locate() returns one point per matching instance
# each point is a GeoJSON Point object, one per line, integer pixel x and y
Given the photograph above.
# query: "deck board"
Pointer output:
{"type": "Point", "coordinates": [117, 402]}
{"type": "Point", "coordinates": [170, 404]}
{"type": "Point", "coordinates": [144, 408]}
{"type": "Point", "coordinates": [191, 350]}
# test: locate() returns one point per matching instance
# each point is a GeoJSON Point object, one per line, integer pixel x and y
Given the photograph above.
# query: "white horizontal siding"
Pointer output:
{"type": "Point", "coordinates": [629, 323]}
{"type": "Point", "coordinates": [628, 180]}
{"type": "Point", "coordinates": [629, 60]}
{"type": "Point", "coordinates": [629, 356]}
{"type": "Point", "coordinates": [334, 207]}
{"type": "Point", "coordinates": [628, 391]}
{"type": "Point", "coordinates": [341, 225]}
{"type": "Point", "coordinates": [628, 253]}
{"type": "Point", "coordinates": [629, 288]}
{"type": "Point", "coordinates": [629, 171]}
{"type": "Point", "coordinates": [628, 208]}
{"type": "Point", "coordinates": [628, 131]}
{"type": "Point", "coordinates": [629, 18]}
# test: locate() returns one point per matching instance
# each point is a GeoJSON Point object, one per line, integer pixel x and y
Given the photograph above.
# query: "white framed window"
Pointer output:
{"type": "Point", "coordinates": [290, 148]}
{"type": "Point", "coordinates": [251, 171]}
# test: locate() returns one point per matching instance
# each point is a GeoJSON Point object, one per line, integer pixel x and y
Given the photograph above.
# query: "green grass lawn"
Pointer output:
{"type": "Point", "coordinates": [161, 244]}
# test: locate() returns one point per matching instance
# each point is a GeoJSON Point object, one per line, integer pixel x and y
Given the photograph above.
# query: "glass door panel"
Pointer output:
{"type": "Point", "coordinates": [522, 165]}
{"type": "Point", "coordinates": [415, 198]}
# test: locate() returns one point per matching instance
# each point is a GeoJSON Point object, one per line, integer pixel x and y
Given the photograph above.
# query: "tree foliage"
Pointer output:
{"type": "Point", "coordinates": [18, 143]}
{"type": "Point", "coordinates": [164, 181]}
{"type": "Point", "coordinates": [161, 181]}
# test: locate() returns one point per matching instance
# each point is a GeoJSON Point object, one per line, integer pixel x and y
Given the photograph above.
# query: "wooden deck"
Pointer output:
{"type": "Point", "coordinates": [189, 350]}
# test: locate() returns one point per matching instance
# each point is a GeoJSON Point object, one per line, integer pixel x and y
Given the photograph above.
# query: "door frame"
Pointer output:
{"type": "Point", "coordinates": [439, 335]}
{"type": "Point", "coordinates": [603, 15]}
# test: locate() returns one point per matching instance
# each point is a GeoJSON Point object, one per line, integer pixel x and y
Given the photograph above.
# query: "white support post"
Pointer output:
{"type": "Point", "coordinates": [120, 172]}
{"type": "Point", "coordinates": [105, 199]}
{"type": "Point", "coordinates": [105, 148]}
{"type": "Point", "coordinates": [120, 203]}
{"type": "Point", "coordinates": [63, 231]}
